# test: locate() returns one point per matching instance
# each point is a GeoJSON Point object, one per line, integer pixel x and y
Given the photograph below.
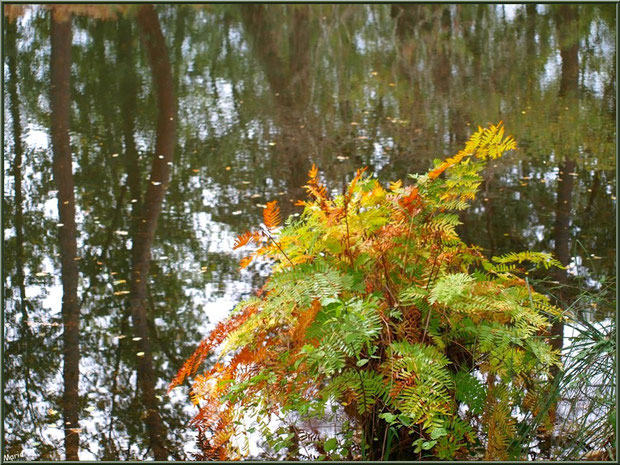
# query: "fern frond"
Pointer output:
{"type": "Point", "coordinates": [216, 337]}
{"type": "Point", "coordinates": [246, 238]}
{"type": "Point", "coordinates": [271, 215]}
{"type": "Point", "coordinates": [313, 173]}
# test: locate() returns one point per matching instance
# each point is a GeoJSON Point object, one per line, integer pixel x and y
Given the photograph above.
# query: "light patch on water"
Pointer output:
{"type": "Point", "coordinates": [379, 157]}
{"type": "Point", "coordinates": [552, 69]}
{"type": "Point", "coordinates": [36, 139]}
{"type": "Point", "coordinates": [510, 10]}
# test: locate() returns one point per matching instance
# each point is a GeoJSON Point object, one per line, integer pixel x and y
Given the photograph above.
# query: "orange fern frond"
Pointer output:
{"type": "Point", "coordinates": [411, 201]}
{"type": "Point", "coordinates": [317, 190]}
{"type": "Point", "coordinates": [313, 173]}
{"type": "Point", "coordinates": [447, 164]}
{"type": "Point", "coordinates": [358, 176]}
{"type": "Point", "coordinates": [304, 319]}
{"type": "Point", "coordinates": [245, 261]}
{"type": "Point", "coordinates": [245, 238]}
{"type": "Point", "coordinates": [271, 215]}
{"type": "Point", "coordinates": [215, 338]}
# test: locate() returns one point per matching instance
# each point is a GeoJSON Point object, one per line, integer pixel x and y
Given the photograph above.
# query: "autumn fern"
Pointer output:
{"type": "Point", "coordinates": [379, 321]}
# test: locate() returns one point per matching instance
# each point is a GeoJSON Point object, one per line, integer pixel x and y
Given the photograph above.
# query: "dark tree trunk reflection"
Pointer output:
{"type": "Point", "coordinates": [63, 176]}
{"type": "Point", "coordinates": [569, 83]}
{"type": "Point", "coordinates": [288, 80]}
{"type": "Point", "coordinates": [24, 305]}
{"type": "Point", "coordinates": [566, 21]}
{"type": "Point", "coordinates": [155, 45]}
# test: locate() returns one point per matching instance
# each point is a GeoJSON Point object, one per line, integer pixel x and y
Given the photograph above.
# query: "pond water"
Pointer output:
{"type": "Point", "coordinates": [263, 92]}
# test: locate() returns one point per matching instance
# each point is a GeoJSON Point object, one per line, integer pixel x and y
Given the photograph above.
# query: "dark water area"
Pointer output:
{"type": "Point", "coordinates": [262, 92]}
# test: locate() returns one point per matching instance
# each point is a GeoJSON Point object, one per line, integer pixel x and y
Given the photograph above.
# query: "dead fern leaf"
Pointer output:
{"type": "Point", "coordinates": [271, 215]}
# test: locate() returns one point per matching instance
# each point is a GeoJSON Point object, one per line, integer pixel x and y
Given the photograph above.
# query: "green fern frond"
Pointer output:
{"type": "Point", "coordinates": [538, 258]}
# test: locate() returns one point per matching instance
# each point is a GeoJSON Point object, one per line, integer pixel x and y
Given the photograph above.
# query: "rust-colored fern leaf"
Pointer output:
{"type": "Point", "coordinates": [354, 181]}
{"type": "Point", "coordinates": [304, 319]}
{"type": "Point", "coordinates": [271, 215]}
{"type": "Point", "coordinates": [317, 190]}
{"type": "Point", "coordinates": [313, 173]}
{"type": "Point", "coordinates": [216, 337]}
{"type": "Point", "coordinates": [245, 261]}
{"type": "Point", "coordinates": [447, 164]}
{"type": "Point", "coordinates": [410, 201]}
{"type": "Point", "coordinates": [246, 238]}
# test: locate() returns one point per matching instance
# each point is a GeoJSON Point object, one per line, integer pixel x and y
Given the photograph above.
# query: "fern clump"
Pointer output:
{"type": "Point", "coordinates": [380, 320]}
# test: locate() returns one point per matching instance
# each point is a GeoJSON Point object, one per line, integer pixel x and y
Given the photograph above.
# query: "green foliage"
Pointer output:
{"type": "Point", "coordinates": [377, 316]}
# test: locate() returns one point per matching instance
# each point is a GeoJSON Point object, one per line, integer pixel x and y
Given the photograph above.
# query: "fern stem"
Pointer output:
{"type": "Point", "coordinates": [277, 245]}
{"type": "Point", "coordinates": [346, 222]}
{"type": "Point", "coordinates": [430, 278]}
{"type": "Point", "coordinates": [387, 282]}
